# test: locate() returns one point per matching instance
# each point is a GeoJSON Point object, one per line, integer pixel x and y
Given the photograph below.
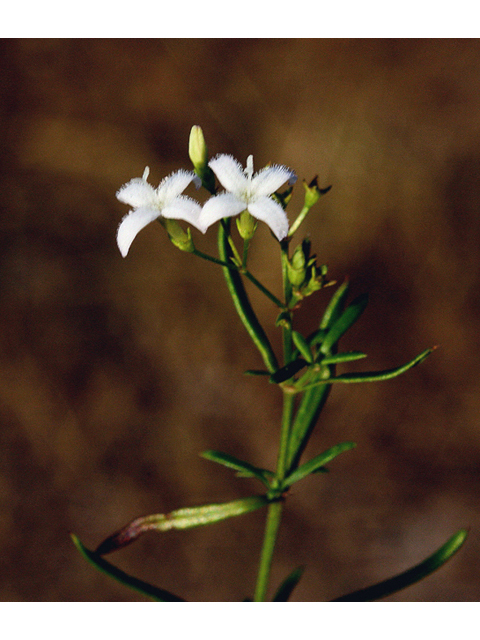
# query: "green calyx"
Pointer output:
{"type": "Point", "coordinates": [246, 225]}
{"type": "Point", "coordinates": [180, 238]}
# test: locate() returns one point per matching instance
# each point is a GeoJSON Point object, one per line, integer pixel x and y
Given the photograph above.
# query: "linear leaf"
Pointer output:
{"type": "Point", "coordinates": [310, 408]}
{"type": "Point", "coordinates": [160, 595]}
{"type": "Point", "coordinates": [409, 577]}
{"type": "Point", "coordinates": [316, 463]}
{"type": "Point", "coordinates": [284, 591]}
{"type": "Point", "coordinates": [375, 376]}
{"type": "Point", "coordinates": [335, 306]}
{"type": "Point", "coordinates": [343, 323]}
{"type": "Point", "coordinates": [180, 519]}
{"type": "Point", "coordinates": [288, 371]}
{"type": "Point", "coordinates": [302, 345]}
{"type": "Point", "coordinates": [245, 468]}
{"type": "Point", "coordinates": [348, 356]}
{"type": "Point", "coordinates": [256, 372]}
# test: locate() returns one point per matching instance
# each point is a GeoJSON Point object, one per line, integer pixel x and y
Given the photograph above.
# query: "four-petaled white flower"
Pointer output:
{"type": "Point", "coordinates": [245, 191]}
{"type": "Point", "coordinates": [149, 204]}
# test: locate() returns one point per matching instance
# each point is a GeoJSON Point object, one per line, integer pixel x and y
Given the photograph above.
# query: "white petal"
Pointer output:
{"type": "Point", "coordinates": [184, 208]}
{"type": "Point", "coordinates": [223, 206]}
{"type": "Point", "coordinates": [173, 185]}
{"type": "Point", "coordinates": [271, 212]}
{"type": "Point", "coordinates": [131, 224]}
{"type": "Point", "coordinates": [229, 173]}
{"type": "Point", "coordinates": [268, 180]}
{"type": "Point", "coordinates": [137, 193]}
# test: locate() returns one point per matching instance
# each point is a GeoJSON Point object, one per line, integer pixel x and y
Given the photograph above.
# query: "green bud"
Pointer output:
{"type": "Point", "coordinates": [198, 152]}
{"type": "Point", "coordinates": [298, 264]}
{"type": "Point", "coordinates": [246, 224]}
{"type": "Point", "coordinates": [313, 192]}
{"type": "Point", "coordinates": [180, 238]}
{"type": "Point", "coordinates": [197, 149]}
{"type": "Point", "coordinates": [296, 268]}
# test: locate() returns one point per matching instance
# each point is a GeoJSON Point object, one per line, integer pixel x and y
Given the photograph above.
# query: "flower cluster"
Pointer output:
{"type": "Point", "coordinates": [244, 191]}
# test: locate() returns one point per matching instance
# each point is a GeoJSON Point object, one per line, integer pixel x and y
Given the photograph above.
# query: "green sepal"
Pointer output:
{"type": "Point", "coordinates": [180, 519]}
{"type": "Point", "coordinates": [284, 319]}
{"type": "Point", "coordinates": [245, 469]}
{"type": "Point", "coordinates": [302, 345]}
{"type": "Point", "coordinates": [348, 356]}
{"type": "Point", "coordinates": [343, 323]}
{"type": "Point", "coordinates": [284, 591]}
{"type": "Point", "coordinates": [315, 464]}
{"type": "Point", "coordinates": [374, 376]}
{"type": "Point", "coordinates": [409, 577]}
{"type": "Point", "coordinates": [181, 239]}
{"type": "Point", "coordinates": [146, 589]}
{"type": "Point", "coordinates": [288, 371]}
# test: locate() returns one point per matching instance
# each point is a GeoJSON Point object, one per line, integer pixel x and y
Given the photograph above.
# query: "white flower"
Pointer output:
{"type": "Point", "coordinates": [149, 204]}
{"type": "Point", "coordinates": [246, 191]}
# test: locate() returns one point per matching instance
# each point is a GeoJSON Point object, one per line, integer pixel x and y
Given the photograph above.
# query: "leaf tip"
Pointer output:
{"type": "Point", "coordinates": [121, 538]}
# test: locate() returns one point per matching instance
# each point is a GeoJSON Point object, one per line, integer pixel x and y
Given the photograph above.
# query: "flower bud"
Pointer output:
{"type": "Point", "coordinates": [313, 192]}
{"type": "Point", "coordinates": [298, 264]}
{"type": "Point", "coordinates": [197, 149]}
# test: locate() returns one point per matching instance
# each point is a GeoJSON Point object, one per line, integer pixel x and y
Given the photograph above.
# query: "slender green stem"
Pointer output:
{"type": "Point", "coordinates": [242, 303]}
{"type": "Point", "coordinates": [287, 292]}
{"type": "Point", "coordinates": [300, 218]}
{"type": "Point", "coordinates": [274, 516]}
{"type": "Point", "coordinates": [263, 289]}
{"type": "Point", "coordinates": [235, 255]}
{"type": "Point", "coordinates": [275, 508]}
{"type": "Point", "coordinates": [245, 272]}
{"type": "Point", "coordinates": [246, 242]}
{"type": "Point", "coordinates": [205, 256]}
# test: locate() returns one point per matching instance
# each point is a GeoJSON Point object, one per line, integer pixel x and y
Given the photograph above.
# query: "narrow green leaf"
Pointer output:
{"type": "Point", "coordinates": [409, 577]}
{"type": "Point", "coordinates": [256, 372]}
{"type": "Point", "coordinates": [180, 519]}
{"type": "Point", "coordinates": [375, 376]}
{"type": "Point", "coordinates": [288, 371]}
{"type": "Point", "coordinates": [343, 323]}
{"type": "Point", "coordinates": [160, 595]}
{"type": "Point", "coordinates": [245, 468]}
{"type": "Point", "coordinates": [288, 585]}
{"type": "Point", "coordinates": [302, 345]}
{"type": "Point", "coordinates": [335, 306]}
{"type": "Point", "coordinates": [338, 358]}
{"type": "Point", "coordinates": [316, 337]}
{"type": "Point", "coordinates": [316, 463]}
{"type": "Point", "coordinates": [311, 405]}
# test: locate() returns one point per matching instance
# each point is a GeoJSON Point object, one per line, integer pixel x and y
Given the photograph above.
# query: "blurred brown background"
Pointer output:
{"type": "Point", "coordinates": [116, 373]}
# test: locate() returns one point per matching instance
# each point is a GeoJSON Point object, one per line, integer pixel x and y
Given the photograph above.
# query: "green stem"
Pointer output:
{"type": "Point", "coordinates": [287, 292]}
{"type": "Point", "coordinates": [263, 289]}
{"type": "Point", "coordinates": [245, 272]}
{"type": "Point", "coordinates": [242, 303]}
{"type": "Point", "coordinates": [245, 253]}
{"type": "Point", "coordinates": [274, 516]}
{"type": "Point", "coordinates": [300, 218]}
